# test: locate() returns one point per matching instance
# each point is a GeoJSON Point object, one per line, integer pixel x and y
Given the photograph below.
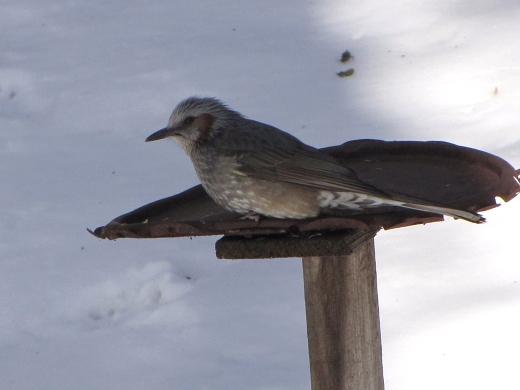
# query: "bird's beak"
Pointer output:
{"type": "Point", "coordinates": [160, 134]}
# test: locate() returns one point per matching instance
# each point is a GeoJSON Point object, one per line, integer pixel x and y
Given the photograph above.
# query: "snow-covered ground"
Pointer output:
{"type": "Point", "coordinates": [83, 83]}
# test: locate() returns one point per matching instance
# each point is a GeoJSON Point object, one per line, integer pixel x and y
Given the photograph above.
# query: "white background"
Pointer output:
{"type": "Point", "coordinates": [83, 83]}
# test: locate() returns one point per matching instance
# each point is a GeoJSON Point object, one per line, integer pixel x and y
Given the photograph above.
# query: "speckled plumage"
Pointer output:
{"type": "Point", "coordinates": [218, 165]}
{"type": "Point", "coordinates": [251, 167]}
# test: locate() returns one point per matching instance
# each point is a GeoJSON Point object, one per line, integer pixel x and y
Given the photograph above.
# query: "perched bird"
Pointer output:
{"type": "Point", "coordinates": [256, 169]}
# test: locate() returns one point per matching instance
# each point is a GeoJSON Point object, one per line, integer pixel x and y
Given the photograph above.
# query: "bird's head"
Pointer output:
{"type": "Point", "coordinates": [195, 120]}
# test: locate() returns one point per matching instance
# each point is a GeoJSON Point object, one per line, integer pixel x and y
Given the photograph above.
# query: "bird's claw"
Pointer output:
{"type": "Point", "coordinates": [251, 216]}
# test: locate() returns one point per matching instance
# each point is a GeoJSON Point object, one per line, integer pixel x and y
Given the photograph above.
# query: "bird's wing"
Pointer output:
{"type": "Point", "coordinates": [273, 155]}
{"type": "Point", "coordinates": [304, 166]}
{"type": "Point", "coordinates": [268, 153]}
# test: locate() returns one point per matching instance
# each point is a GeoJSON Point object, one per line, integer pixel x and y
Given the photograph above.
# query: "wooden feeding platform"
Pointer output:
{"type": "Point", "coordinates": [338, 248]}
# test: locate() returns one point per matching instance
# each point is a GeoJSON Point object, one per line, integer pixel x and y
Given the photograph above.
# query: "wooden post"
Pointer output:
{"type": "Point", "coordinates": [343, 320]}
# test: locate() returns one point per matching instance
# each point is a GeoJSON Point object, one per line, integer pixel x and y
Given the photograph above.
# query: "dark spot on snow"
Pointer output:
{"type": "Point", "coordinates": [188, 277]}
{"type": "Point", "coordinates": [12, 95]}
{"type": "Point", "coordinates": [346, 73]}
{"type": "Point", "coordinates": [98, 316]}
{"type": "Point", "coordinates": [345, 56]}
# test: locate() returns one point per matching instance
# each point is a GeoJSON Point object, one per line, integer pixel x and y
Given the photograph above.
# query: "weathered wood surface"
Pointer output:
{"type": "Point", "coordinates": [277, 246]}
{"type": "Point", "coordinates": [343, 321]}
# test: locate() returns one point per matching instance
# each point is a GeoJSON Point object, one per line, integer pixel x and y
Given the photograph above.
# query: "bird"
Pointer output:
{"type": "Point", "coordinates": [257, 170]}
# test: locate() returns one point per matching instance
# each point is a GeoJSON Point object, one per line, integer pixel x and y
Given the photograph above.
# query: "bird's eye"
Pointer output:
{"type": "Point", "coordinates": [188, 121]}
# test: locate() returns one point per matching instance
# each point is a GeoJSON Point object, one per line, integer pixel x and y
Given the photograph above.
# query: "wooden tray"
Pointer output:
{"type": "Point", "coordinates": [441, 172]}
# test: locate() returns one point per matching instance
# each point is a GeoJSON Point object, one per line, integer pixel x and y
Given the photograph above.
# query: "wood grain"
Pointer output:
{"type": "Point", "coordinates": [343, 321]}
{"type": "Point", "coordinates": [336, 243]}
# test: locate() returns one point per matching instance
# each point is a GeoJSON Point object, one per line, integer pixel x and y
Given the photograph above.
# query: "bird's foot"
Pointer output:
{"type": "Point", "coordinates": [252, 216]}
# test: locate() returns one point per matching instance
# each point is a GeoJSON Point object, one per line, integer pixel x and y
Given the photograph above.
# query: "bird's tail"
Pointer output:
{"type": "Point", "coordinates": [438, 209]}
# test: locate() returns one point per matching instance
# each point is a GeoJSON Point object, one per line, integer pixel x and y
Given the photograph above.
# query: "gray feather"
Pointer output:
{"type": "Point", "coordinates": [289, 160]}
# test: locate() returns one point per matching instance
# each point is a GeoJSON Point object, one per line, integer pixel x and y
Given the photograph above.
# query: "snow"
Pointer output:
{"type": "Point", "coordinates": [83, 83]}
